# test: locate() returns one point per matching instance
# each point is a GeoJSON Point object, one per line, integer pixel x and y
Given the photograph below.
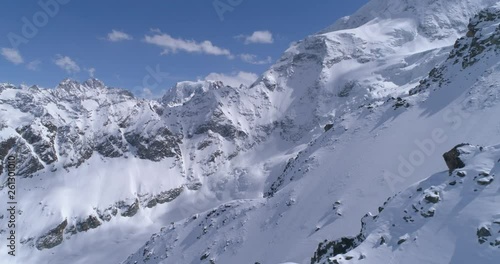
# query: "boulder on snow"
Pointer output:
{"type": "Point", "coordinates": [482, 234]}
{"type": "Point", "coordinates": [452, 158]}
{"type": "Point", "coordinates": [432, 197]}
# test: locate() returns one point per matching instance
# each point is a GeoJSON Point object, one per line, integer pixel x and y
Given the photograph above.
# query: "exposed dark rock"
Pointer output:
{"type": "Point", "coordinates": [215, 155]}
{"type": "Point", "coordinates": [343, 245]}
{"type": "Point", "coordinates": [71, 230]}
{"type": "Point", "coordinates": [27, 163]}
{"type": "Point", "coordinates": [130, 210]}
{"type": "Point", "coordinates": [168, 196]}
{"type": "Point", "coordinates": [5, 147]}
{"type": "Point", "coordinates": [281, 179]}
{"type": "Point", "coordinates": [44, 149]}
{"type": "Point", "coordinates": [428, 213]}
{"type": "Point", "coordinates": [152, 203]}
{"type": "Point", "coordinates": [205, 256]}
{"type": "Point", "coordinates": [432, 198]}
{"type": "Point", "coordinates": [53, 238]}
{"type": "Point", "coordinates": [204, 144]}
{"type": "Point", "coordinates": [72, 139]}
{"type": "Point", "coordinates": [452, 158]}
{"type": "Point", "coordinates": [497, 242]}
{"type": "Point", "coordinates": [90, 223]}
{"type": "Point", "coordinates": [348, 87]}
{"type": "Point", "coordinates": [401, 241]}
{"type": "Point", "coordinates": [482, 234]}
{"type": "Point", "coordinates": [334, 248]}
{"type": "Point", "coordinates": [107, 214]}
{"type": "Point", "coordinates": [400, 103]}
{"type": "Point", "coordinates": [163, 145]}
{"type": "Point", "coordinates": [194, 186]}
{"type": "Point", "coordinates": [485, 181]}
{"type": "Point", "coordinates": [112, 147]}
{"type": "Point", "coordinates": [227, 131]}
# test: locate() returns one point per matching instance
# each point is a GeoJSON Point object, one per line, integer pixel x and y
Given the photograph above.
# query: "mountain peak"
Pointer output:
{"type": "Point", "coordinates": [436, 19]}
{"type": "Point", "coordinates": [94, 83]}
{"type": "Point", "coordinates": [184, 91]}
{"type": "Point", "coordinates": [74, 87]}
{"type": "Point", "coordinates": [68, 85]}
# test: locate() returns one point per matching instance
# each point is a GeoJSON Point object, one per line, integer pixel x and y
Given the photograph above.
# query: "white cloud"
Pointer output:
{"type": "Point", "coordinates": [67, 64]}
{"type": "Point", "coordinates": [12, 55]}
{"type": "Point", "coordinates": [235, 79]}
{"type": "Point", "coordinates": [252, 59]}
{"type": "Point", "coordinates": [116, 36]}
{"type": "Point", "coordinates": [148, 93]}
{"type": "Point", "coordinates": [91, 72]}
{"type": "Point", "coordinates": [33, 65]}
{"type": "Point", "coordinates": [258, 37]}
{"type": "Point", "coordinates": [173, 45]}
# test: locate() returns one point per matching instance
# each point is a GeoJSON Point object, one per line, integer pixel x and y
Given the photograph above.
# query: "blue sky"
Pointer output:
{"type": "Point", "coordinates": [153, 44]}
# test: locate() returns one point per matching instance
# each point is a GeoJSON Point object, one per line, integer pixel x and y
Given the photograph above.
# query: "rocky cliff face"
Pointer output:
{"type": "Point", "coordinates": [63, 127]}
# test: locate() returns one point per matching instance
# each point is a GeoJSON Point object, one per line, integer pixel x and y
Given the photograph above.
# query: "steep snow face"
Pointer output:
{"type": "Point", "coordinates": [447, 218]}
{"type": "Point", "coordinates": [436, 19]}
{"type": "Point", "coordinates": [376, 55]}
{"type": "Point", "coordinates": [473, 54]}
{"type": "Point", "coordinates": [320, 193]}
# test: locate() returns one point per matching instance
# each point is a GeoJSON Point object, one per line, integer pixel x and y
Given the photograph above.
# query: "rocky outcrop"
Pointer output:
{"type": "Point", "coordinates": [131, 210]}
{"type": "Point", "coordinates": [5, 147]}
{"type": "Point", "coordinates": [112, 146]}
{"type": "Point", "coordinates": [41, 138]}
{"type": "Point", "coordinates": [165, 197]}
{"type": "Point", "coordinates": [90, 223]}
{"type": "Point", "coordinates": [328, 249]}
{"type": "Point", "coordinates": [452, 158]}
{"type": "Point", "coordinates": [483, 36]}
{"type": "Point", "coordinates": [162, 144]}
{"type": "Point", "coordinates": [66, 126]}
{"type": "Point", "coordinates": [52, 238]}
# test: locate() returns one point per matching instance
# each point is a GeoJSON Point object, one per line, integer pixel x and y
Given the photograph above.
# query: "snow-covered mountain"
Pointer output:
{"type": "Point", "coordinates": [283, 170]}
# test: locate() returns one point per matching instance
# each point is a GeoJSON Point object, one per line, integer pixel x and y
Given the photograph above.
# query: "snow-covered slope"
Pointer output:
{"type": "Point", "coordinates": [447, 218]}
{"type": "Point", "coordinates": [376, 146]}
{"type": "Point", "coordinates": [261, 174]}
